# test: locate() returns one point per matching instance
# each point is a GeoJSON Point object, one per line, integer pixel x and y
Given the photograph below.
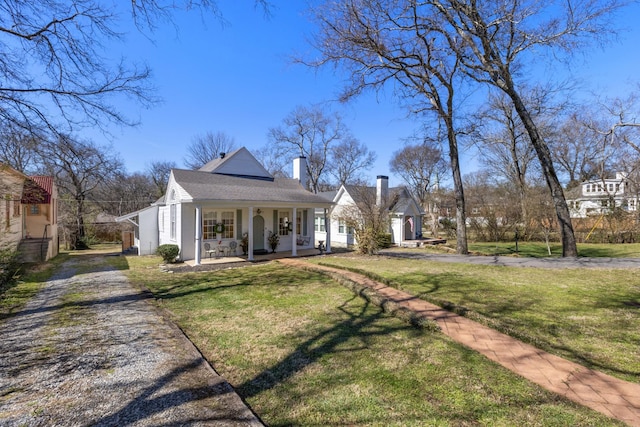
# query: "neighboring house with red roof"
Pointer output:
{"type": "Point", "coordinates": [30, 214]}
{"type": "Point", "coordinates": [227, 198]}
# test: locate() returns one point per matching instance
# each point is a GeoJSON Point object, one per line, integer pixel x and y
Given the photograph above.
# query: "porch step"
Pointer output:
{"type": "Point", "coordinates": [422, 242]}
{"type": "Point", "coordinates": [33, 250]}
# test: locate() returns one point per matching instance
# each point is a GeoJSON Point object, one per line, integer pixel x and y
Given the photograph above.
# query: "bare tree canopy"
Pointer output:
{"type": "Point", "coordinates": [18, 149]}
{"type": "Point", "coordinates": [158, 172]}
{"type": "Point", "coordinates": [422, 45]}
{"type": "Point", "coordinates": [56, 70]}
{"type": "Point", "coordinates": [79, 168]}
{"type": "Point", "coordinates": [400, 43]}
{"type": "Point", "coordinates": [419, 165]}
{"type": "Point", "coordinates": [493, 41]}
{"type": "Point", "coordinates": [349, 159]}
{"type": "Point", "coordinates": [277, 165]}
{"type": "Point", "coordinates": [204, 148]}
{"type": "Point", "coordinates": [309, 132]}
{"type": "Point", "coordinates": [577, 147]}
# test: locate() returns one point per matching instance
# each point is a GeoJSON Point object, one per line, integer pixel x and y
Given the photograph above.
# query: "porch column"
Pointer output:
{"type": "Point", "coordinates": [327, 229]}
{"type": "Point", "coordinates": [198, 234]}
{"type": "Point", "coordinates": [294, 240]}
{"type": "Point", "coordinates": [250, 231]}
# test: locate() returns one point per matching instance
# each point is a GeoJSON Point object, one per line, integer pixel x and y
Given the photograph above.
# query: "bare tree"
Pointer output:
{"type": "Point", "coordinates": [312, 133]}
{"type": "Point", "coordinates": [204, 148]}
{"type": "Point", "coordinates": [421, 166]}
{"type": "Point", "coordinates": [79, 168]}
{"type": "Point", "coordinates": [18, 149]}
{"type": "Point", "coordinates": [368, 220]}
{"type": "Point", "coordinates": [125, 193]}
{"type": "Point", "coordinates": [278, 165]}
{"type": "Point", "coordinates": [505, 149]}
{"type": "Point", "coordinates": [349, 158]}
{"type": "Point", "coordinates": [492, 40]}
{"type": "Point", "coordinates": [158, 172]}
{"type": "Point", "coordinates": [54, 72]}
{"type": "Point", "coordinates": [382, 42]}
{"type": "Point", "coordinates": [55, 68]}
{"type": "Point", "coordinates": [577, 147]}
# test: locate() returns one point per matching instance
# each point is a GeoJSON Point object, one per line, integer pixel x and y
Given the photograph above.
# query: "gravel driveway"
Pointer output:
{"type": "Point", "coordinates": [90, 349]}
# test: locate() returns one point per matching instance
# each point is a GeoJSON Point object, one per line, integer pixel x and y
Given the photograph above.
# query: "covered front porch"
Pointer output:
{"type": "Point", "coordinates": [233, 259]}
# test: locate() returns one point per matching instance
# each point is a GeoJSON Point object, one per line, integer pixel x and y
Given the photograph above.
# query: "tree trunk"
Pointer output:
{"type": "Point", "coordinates": [461, 217]}
{"type": "Point", "coordinates": [569, 247]}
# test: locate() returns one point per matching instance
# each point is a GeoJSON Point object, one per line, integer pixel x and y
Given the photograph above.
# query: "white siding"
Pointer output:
{"type": "Point", "coordinates": [147, 239]}
{"type": "Point", "coordinates": [242, 163]}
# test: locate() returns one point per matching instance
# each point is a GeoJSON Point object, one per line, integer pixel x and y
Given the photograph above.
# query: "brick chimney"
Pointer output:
{"type": "Point", "coordinates": [300, 170]}
{"type": "Point", "coordinates": [382, 190]}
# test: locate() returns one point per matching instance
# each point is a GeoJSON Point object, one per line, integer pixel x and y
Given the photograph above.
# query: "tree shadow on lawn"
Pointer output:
{"type": "Point", "coordinates": [496, 312]}
{"type": "Point", "coordinates": [359, 326]}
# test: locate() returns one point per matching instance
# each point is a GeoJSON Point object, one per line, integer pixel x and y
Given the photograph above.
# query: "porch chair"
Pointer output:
{"type": "Point", "coordinates": [208, 250]}
{"type": "Point", "coordinates": [233, 246]}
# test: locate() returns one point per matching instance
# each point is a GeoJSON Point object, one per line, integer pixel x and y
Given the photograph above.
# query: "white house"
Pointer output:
{"type": "Point", "coordinates": [405, 214]}
{"type": "Point", "coordinates": [227, 198]}
{"type": "Point", "coordinates": [600, 196]}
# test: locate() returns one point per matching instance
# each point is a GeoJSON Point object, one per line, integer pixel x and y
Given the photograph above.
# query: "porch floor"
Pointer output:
{"type": "Point", "coordinates": [256, 258]}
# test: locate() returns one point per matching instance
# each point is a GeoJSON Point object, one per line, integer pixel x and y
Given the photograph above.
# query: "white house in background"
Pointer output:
{"type": "Point", "coordinates": [600, 196]}
{"type": "Point", "coordinates": [405, 214]}
{"type": "Point", "coordinates": [225, 199]}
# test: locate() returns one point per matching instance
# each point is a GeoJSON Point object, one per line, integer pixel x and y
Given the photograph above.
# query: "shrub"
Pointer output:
{"type": "Point", "coordinates": [9, 267]}
{"type": "Point", "coordinates": [168, 252]}
{"type": "Point", "coordinates": [383, 240]}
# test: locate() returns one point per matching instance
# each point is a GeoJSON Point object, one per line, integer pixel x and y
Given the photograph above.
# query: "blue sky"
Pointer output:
{"type": "Point", "coordinates": [238, 79]}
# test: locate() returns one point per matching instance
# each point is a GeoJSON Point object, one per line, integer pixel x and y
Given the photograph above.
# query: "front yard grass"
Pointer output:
{"type": "Point", "coordinates": [303, 350]}
{"type": "Point", "coordinates": [539, 249]}
{"type": "Point", "coordinates": [590, 316]}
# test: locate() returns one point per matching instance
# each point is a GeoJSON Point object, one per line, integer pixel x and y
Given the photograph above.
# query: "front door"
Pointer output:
{"type": "Point", "coordinates": [258, 233]}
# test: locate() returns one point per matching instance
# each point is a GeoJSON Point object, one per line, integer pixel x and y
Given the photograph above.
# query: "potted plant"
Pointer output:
{"type": "Point", "coordinates": [274, 240]}
{"type": "Point", "coordinates": [244, 243]}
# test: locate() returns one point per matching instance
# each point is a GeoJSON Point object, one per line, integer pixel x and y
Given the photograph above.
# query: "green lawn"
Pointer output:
{"type": "Point", "coordinates": [303, 350]}
{"type": "Point", "coordinates": [539, 249]}
{"type": "Point", "coordinates": [590, 316]}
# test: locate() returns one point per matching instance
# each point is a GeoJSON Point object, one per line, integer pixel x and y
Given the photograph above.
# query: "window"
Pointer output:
{"type": "Point", "coordinates": [299, 222]}
{"type": "Point", "coordinates": [320, 223]}
{"type": "Point", "coordinates": [172, 219]}
{"type": "Point", "coordinates": [210, 223]}
{"type": "Point", "coordinates": [34, 209]}
{"type": "Point", "coordinates": [227, 221]}
{"type": "Point", "coordinates": [342, 225]}
{"type": "Point", "coordinates": [16, 206]}
{"type": "Point", "coordinates": [209, 220]}
{"type": "Point", "coordinates": [632, 204]}
{"type": "Point", "coordinates": [7, 218]}
{"type": "Point", "coordinates": [283, 223]}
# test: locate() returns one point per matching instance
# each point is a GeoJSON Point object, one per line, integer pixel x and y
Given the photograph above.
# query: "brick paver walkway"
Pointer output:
{"type": "Point", "coordinates": [611, 396]}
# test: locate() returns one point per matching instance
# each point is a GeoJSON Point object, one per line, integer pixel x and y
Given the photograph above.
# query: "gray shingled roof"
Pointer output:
{"type": "Point", "coordinates": [205, 186]}
{"type": "Point", "coordinates": [363, 194]}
